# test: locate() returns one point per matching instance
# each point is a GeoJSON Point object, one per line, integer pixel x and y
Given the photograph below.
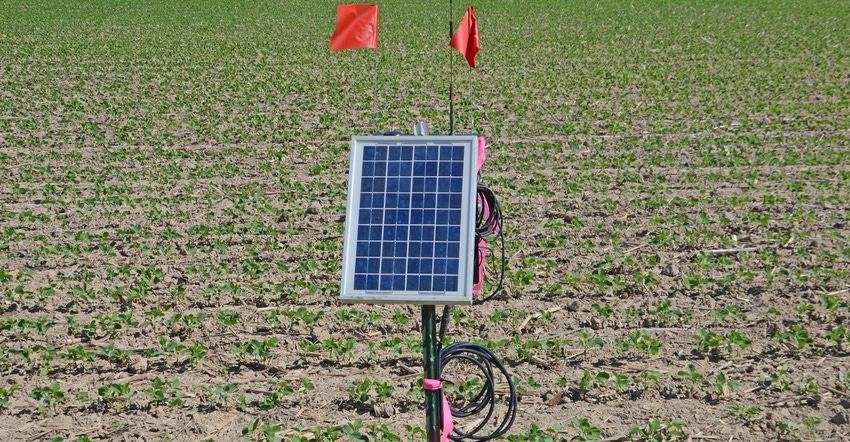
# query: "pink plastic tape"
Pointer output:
{"type": "Point", "coordinates": [482, 245]}
{"type": "Point", "coordinates": [481, 146]}
{"type": "Point", "coordinates": [448, 425]}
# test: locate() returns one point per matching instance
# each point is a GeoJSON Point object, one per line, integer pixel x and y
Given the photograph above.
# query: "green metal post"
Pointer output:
{"type": "Point", "coordinates": [431, 363]}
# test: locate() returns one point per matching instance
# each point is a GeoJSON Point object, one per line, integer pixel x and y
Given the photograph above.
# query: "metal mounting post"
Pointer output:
{"type": "Point", "coordinates": [431, 364]}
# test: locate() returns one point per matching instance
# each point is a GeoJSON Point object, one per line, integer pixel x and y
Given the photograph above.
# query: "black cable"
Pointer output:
{"type": "Point", "coordinates": [488, 228]}
{"type": "Point", "coordinates": [444, 326]}
{"type": "Point", "coordinates": [485, 360]}
{"type": "Point", "coordinates": [492, 223]}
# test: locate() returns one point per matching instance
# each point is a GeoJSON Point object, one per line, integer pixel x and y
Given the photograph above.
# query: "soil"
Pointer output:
{"type": "Point", "coordinates": [620, 221]}
{"type": "Point", "coordinates": [674, 181]}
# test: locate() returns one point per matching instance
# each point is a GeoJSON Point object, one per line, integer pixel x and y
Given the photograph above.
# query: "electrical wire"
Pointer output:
{"type": "Point", "coordinates": [489, 225]}
{"type": "Point", "coordinates": [485, 360]}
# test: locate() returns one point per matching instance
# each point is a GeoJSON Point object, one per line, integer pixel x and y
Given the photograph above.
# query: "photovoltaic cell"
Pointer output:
{"type": "Point", "coordinates": [409, 223]}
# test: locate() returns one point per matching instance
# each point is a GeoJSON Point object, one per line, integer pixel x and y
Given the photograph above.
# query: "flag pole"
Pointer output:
{"type": "Point", "coordinates": [471, 108]}
{"type": "Point", "coordinates": [375, 95]}
{"type": "Point", "coordinates": [451, 74]}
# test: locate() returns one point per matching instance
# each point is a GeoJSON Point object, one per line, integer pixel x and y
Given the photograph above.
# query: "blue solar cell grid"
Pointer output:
{"type": "Point", "coordinates": [408, 229]}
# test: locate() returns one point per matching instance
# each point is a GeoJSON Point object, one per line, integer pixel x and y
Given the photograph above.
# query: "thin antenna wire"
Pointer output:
{"type": "Point", "coordinates": [375, 96]}
{"type": "Point", "coordinates": [451, 73]}
{"type": "Point", "coordinates": [471, 108]}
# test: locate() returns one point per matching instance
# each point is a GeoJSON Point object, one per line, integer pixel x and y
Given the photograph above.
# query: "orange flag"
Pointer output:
{"type": "Point", "coordinates": [356, 27]}
{"type": "Point", "coordinates": [465, 39]}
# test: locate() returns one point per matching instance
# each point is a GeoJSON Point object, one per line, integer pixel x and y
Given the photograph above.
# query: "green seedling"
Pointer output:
{"type": "Point", "coordinates": [228, 318]}
{"type": "Point", "coordinates": [499, 316]}
{"type": "Point", "coordinates": [113, 354]}
{"type": "Point", "coordinates": [351, 432]}
{"type": "Point", "coordinates": [383, 390]}
{"type": "Point", "coordinates": [776, 380]}
{"type": "Point", "coordinates": [585, 431]}
{"type": "Point", "coordinates": [535, 433]}
{"type": "Point", "coordinates": [797, 335]}
{"type": "Point", "coordinates": [604, 311]}
{"type": "Point", "coordinates": [218, 395]}
{"type": "Point", "coordinates": [294, 317]}
{"type": "Point", "coordinates": [695, 379]}
{"type": "Point", "coordinates": [6, 395]}
{"type": "Point", "coordinates": [735, 338]}
{"type": "Point", "coordinates": [588, 381]}
{"type": "Point", "coordinates": [393, 345]}
{"type": "Point", "coordinates": [660, 431]}
{"type": "Point", "coordinates": [724, 386]}
{"type": "Point", "coordinates": [833, 303]}
{"type": "Point", "coordinates": [639, 340]}
{"type": "Point", "coordinates": [308, 348]}
{"type": "Point", "coordinates": [249, 432]}
{"type": "Point", "coordinates": [647, 279]}
{"type": "Point", "coordinates": [281, 390]}
{"type": "Point", "coordinates": [787, 429]}
{"type": "Point", "coordinates": [415, 432]}
{"type": "Point", "coordinates": [339, 349]}
{"type": "Point", "coordinates": [664, 314]}
{"type": "Point", "coordinates": [172, 347]}
{"type": "Point", "coordinates": [646, 380]}
{"type": "Point", "coordinates": [118, 395]}
{"type": "Point", "coordinates": [620, 381]}
{"type": "Point", "coordinates": [811, 423]}
{"type": "Point", "coordinates": [400, 318]}
{"type": "Point", "coordinates": [695, 281]}
{"type": "Point", "coordinates": [710, 343]}
{"type": "Point", "coordinates": [586, 342]}
{"type": "Point", "coordinates": [838, 336]}
{"type": "Point", "coordinates": [522, 385]}
{"type": "Point", "coordinates": [381, 432]}
{"type": "Point", "coordinates": [631, 314]}
{"type": "Point", "coordinates": [255, 350]}
{"type": "Point", "coordinates": [462, 319]}
{"type": "Point", "coordinates": [417, 391]}
{"type": "Point", "coordinates": [78, 355]}
{"type": "Point", "coordinates": [804, 308]}
{"type": "Point", "coordinates": [809, 386]}
{"type": "Point", "coordinates": [748, 413]}
{"type": "Point", "coordinates": [196, 352]}
{"type": "Point", "coordinates": [163, 392]}
{"type": "Point", "coordinates": [360, 393]}
{"type": "Point", "coordinates": [467, 389]}
{"type": "Point", "coordinates": [188, 321]}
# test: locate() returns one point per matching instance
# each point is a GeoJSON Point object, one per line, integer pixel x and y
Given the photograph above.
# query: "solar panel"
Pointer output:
{"type": "Point", "coordinates": [410, 218]}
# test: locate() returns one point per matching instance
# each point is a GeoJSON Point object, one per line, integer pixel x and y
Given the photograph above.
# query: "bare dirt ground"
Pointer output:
{"type": "Point", "coordinates": [172, 201]}
{"type": "Point", "coordinates": [573, 254]}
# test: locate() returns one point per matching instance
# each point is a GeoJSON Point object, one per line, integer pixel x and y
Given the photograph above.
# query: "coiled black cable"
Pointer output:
{"type": "Point", "coordinates": [490, 227]}
{"type": "Point", "coordinates": [491, 224]}
{"type": "Point", "coordinates": [485, 360]}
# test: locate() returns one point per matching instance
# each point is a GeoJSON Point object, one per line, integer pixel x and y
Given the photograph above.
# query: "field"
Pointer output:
{"type": "Point", "coordinates": [675, 177]}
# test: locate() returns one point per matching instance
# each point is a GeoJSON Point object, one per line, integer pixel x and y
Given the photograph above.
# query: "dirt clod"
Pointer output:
{"type": "Point", "coordinates": [841, 418]}
{"type": "Point", "coordinates": [596, 323]}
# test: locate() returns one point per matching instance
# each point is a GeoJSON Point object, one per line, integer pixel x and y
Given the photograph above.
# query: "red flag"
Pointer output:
{"type": "Point", "coordinates": [465, 39]}
{"type": "Point", "coordinates": [356, 27]}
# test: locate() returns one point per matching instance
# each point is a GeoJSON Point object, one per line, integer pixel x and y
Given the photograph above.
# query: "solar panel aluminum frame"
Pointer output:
{"type": "Point", "coordinates": [461, 293]}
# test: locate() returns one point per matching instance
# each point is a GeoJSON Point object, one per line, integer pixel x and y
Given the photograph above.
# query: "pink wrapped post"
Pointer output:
{"type": "Point", "coordinates": [448, 424]}
{"type": "Point", "coordinates": [482, 245]}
